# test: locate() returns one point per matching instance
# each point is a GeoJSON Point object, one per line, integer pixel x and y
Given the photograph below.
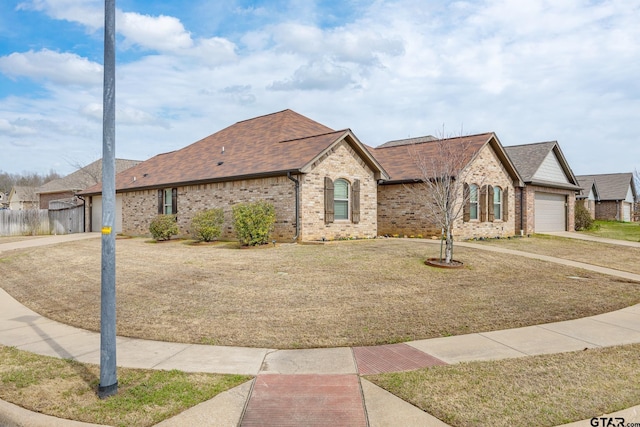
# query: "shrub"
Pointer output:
{"type": "Point", "coordinates": [253, 222]}
{"type": "Point", "coordinates": [582, 217]}
{"type": "Point", "coordinates": [207, 225]}
{"type": "Point", "coordinates": [163, 227]}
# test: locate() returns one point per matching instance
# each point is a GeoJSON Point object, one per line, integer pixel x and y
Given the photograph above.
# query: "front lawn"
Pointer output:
{"type": "Point", "coordinates": [545, 390]}
{"type": "Point", "coordinates": [615, 230]}
{"type": "Point", "coordinates": [67, 389]}
{"type": "Point", "coordinates": [348, 293]}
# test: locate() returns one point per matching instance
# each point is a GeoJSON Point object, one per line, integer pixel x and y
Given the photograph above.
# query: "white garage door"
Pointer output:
{"type": "Point", "coordinates": [551, 214]}
{"type": "Point", "coordinates": [96, 213]}
{"type": "Point", "coordinates": [626, 212]}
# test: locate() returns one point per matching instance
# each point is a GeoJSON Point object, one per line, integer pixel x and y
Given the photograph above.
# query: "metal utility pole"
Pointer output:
{"type": "Point", "coordinates": [108, 376]}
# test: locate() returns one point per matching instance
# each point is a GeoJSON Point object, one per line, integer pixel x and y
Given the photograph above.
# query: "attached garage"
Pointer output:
{"type": "Point", "coordinates": [96, 213]}
{"type": "Point", "coordinates": [550, 212]}
{"type": "Point", "coordinates": [626, 212]}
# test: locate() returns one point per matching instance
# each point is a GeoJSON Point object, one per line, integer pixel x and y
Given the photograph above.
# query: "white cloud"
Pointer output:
{"type": "Point", "coordinates": [162, 33]}
{"type": "Point", "coordinates": [530, 71]}
{"type": "Point", "coordinates": [86, 12]}
{"type": "Point", "coordinates": [58, 68]}
{"type": "Point", "coordinates": [13, 129]}
{"type": "Point", "coordinates": [321, 75]}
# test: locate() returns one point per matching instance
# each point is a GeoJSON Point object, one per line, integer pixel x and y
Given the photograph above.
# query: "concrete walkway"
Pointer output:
{"type": "Point", "coordinates": [580, 236]}
{"type": "Point", "coordinates": [314, 386]}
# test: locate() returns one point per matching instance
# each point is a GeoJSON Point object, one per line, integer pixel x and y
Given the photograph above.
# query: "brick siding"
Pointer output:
{"type": "Point", "coordinates": [401, 206]}
{"type": "Point", "coordinates": [140, 207]}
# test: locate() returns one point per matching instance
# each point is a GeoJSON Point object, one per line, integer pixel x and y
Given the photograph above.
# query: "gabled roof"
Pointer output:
{"type": "Point", "coordinates": [22, 193]}
{"type": "Point", "coordinates": [612, 186]}
{"type": "Point", "coordinates": [529, 157]}
{"type": "Point", "coordinates": [587, 183]}
{"type": "Point", "coordinates": [400, 158]}
{"type": "Point", "coordinates": [270, 145]}
{"type": "Point", "coordinates": [84, 177]}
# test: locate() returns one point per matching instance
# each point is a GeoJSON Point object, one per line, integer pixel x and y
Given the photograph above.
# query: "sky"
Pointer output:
{"type": "Point", "coordinates": [528, 70]}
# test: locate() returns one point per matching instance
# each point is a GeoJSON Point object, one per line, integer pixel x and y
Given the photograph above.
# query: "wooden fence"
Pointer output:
{"type": "Point", "coordinates": [42, 221]}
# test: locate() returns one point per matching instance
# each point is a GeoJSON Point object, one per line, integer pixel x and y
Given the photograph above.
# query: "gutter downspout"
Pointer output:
{"type": "Point", "coordinates": [84, 212]}
{"type": "Point", "coordinates": [521, 211]}
{"type": "Point", "coordinates": [297, 192]}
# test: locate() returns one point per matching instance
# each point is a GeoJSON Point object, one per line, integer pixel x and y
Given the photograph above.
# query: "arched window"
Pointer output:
{"type": "Point", "coordinates": [341, 199]}
{"type": "Point", "coordinates": [473, 201]}
{"type": "Point", "coordinates": [497, 203]}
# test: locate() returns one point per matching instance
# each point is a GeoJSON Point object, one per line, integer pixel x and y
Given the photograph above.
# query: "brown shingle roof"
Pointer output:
{"type": "Point", "coordinates": [401, 158]}
{"type": "Point", "coordinates": [273, 144]}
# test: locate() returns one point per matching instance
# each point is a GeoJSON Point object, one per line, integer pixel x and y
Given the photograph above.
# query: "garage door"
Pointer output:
{"type": "Point", "coordinates": [551, 214]}
{"type": "Point", "coordinates": [96, 213]}
{"type": "Point", "coordinates": [626, 212]}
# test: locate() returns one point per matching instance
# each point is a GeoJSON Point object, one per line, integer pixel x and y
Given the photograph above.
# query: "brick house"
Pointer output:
{"type": "Point", "coordinates": [547, 201]}
{"type": "Point", "coordinates": [322, 182]}
{"type": "Point", "coordinates": [480, 160]}
{"type": "Point", "coordinates": [588, 194]}
{"type": "Point", "coordinates": [617, 194]}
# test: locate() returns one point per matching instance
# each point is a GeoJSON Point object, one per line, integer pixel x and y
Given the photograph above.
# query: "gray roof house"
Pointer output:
{"type": "Point", "coordinates": [547, 201]}
{"type": "Point", "coordinates": [616, 195]}
{"type": "Point", "coordinates": [65, 189]}
{"type": "Point", "coordinates": [589, 194]}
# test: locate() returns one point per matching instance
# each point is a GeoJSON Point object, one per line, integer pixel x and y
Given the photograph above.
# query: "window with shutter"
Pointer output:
{"type": "Point", "coordinates": [168, 201]}
{"type": "Point", "coordinates": [355, 201]}
{"type": "Point", "coordinates": [328, 200]}
{"type": "Point", "coordinates": [341, 199]}
{"type": "Point", "coordinates": [497, 203]}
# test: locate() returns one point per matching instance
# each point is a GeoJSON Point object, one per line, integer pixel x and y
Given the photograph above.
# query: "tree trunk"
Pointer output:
{"type": "Point", "coordinates": [448, 250]}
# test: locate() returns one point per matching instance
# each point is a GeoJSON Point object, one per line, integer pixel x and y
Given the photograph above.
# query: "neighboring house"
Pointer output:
{"type": "Point", "coordinates": [547, 201]}
{"type": "Point", "coordinates": [4, 200]}
{"type": "Point", "coordinates": [588, 194]}
{"type": "Point", "coordinates": [490, 177]}
{"type": "Point", "coordinates": [22, 198]}
{"type": "Point", "coordinates": [322, 182]}
{"type": "Point", "coordinates": [65, 189]}
{"type": "Point", "coordinates": [617, 193]}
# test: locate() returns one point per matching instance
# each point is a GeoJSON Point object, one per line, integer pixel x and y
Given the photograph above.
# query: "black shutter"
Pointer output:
{"type": "Point", "coordinates": [483, 204]}
{"type": "Point", "coordinates": [328, 200]}
{"type": "Point", "coordinates": [160, 202]}
{"type": "Point", "coordinates": [466, 196]}
{"type": "Point", "coordinates": [355, 201]}
{"type": "Point", "coordinates": [492, 215]}
{"type": "Point", "coordinates": [174, 201]}
{"type": "Point", "coordinates": [505, 204]}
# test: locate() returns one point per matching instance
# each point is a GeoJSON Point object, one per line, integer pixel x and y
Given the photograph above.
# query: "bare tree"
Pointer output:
{"type": "Point", "coordinates": [441, 188]}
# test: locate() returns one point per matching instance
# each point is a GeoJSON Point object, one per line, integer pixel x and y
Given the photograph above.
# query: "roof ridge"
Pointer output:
{"type": "Point", "coordinates": [381, 146]}
{"type": "Point", "coordinates": [313, 136]}
{"type": "Point", "coordinates": [532, 143]}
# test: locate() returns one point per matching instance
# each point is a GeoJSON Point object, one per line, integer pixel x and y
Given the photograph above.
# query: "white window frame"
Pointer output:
{"type": "Point", "coordinates": [497, 204]}
{"type": "Point", "coordinates": [339, 200]}
{"type": "Point", "coordinates": [474, 190]}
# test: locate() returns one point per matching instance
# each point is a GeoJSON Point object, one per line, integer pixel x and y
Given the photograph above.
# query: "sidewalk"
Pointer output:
{"type": "Point", "coordinates": [313, 384]}
{"type": "Point", "coordinates": [580, 236]}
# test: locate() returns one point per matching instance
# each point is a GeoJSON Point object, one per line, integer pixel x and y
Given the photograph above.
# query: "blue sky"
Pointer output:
{"type": "Point", "coordinates": [531, 71]}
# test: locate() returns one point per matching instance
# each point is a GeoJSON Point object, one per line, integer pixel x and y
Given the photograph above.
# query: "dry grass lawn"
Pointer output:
{"type": "Point", "coordinates": [296, 296]}
{"type": "Point", "coordinates": [611, 256]}
{"type": "Point", "coordinates": [67, 389]}
{"type": "Point", "coordinates": [544, 390]}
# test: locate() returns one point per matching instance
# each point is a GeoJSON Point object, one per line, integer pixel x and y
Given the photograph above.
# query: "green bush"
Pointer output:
{"type": "Point", "coordinates": [582, 217]}
{"type": "Point", "coordinates": [163, 227]}
{"type": "Point", "coordinates": [207, 225]}
{"type": "Point", "coordinates": [253, 222]}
